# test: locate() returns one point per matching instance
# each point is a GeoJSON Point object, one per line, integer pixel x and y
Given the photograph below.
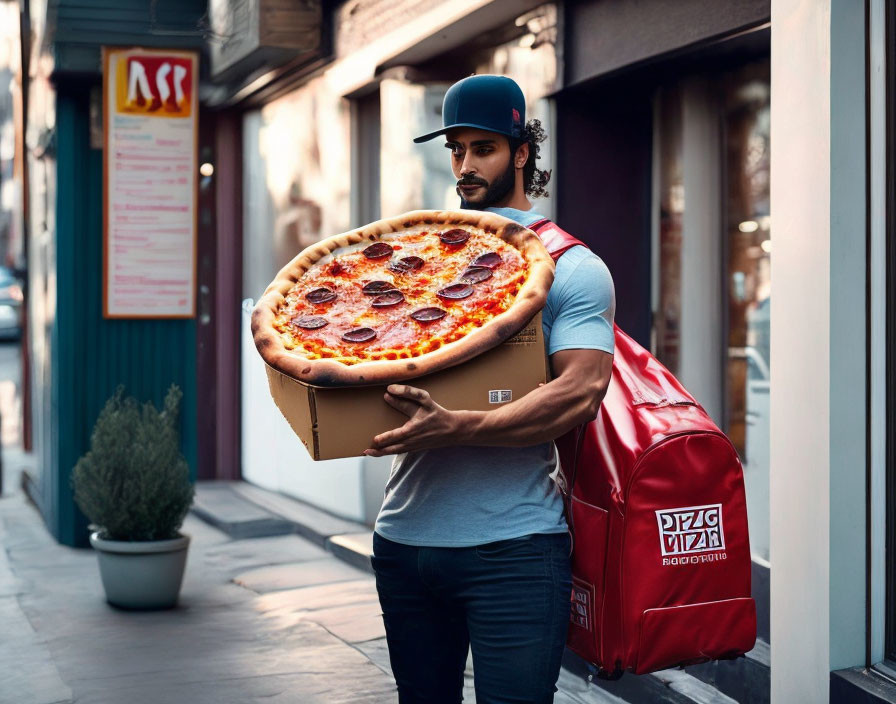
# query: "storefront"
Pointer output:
{"type": "Point", "coordinates": [337, 152]}
{"type": "Point", "coordinates": [75, 355]}
{"type": "Point", "coordinates": [660, 141]}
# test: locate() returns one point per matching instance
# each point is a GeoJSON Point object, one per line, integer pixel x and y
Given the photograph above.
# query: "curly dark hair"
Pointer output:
{"type": "Point", "coordinates": [534, 179]}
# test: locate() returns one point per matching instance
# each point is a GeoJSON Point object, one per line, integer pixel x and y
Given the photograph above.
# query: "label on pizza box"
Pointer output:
{"type": "Point", "coordinates": [526, 336]}
{"type": "Point", "coordinates": [500, 395]}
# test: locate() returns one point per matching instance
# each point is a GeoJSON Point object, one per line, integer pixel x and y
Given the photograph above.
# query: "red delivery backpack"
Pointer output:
{"type": "Point", "coordinates": [656, 505]}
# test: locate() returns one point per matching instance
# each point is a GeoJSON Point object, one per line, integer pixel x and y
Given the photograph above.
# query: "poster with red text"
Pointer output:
{"type": "Point", "coordinates": [150, 179]}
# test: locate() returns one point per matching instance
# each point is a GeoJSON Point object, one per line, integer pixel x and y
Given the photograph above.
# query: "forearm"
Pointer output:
{"type": "Point", "coordinates": [540, 416]}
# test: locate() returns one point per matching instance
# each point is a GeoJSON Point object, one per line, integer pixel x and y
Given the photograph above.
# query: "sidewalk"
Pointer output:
{"type": "Point", "coordinates": [262, 617]}
{"type": "Point", "coordinates": [275, 619]}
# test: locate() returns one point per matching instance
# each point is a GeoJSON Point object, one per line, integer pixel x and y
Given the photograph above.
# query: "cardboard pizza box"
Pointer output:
{"type": "Point", "coordinates": [341, 422]}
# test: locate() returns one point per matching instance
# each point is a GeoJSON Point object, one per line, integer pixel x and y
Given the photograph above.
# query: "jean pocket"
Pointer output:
{"type": "Point", "coordinates": [511, 549]}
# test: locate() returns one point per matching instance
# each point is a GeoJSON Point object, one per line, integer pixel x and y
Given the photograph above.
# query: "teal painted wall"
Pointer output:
{"type": "Point", "coordinates": [91, 355]}
{"type": "Point", "coordinates": [847, 361]}
{"type": "Point", "coordinates": [81, 27]}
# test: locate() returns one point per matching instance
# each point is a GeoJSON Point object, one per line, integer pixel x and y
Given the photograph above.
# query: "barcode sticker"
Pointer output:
{"type": "Point", "coordinates": [500, 396]}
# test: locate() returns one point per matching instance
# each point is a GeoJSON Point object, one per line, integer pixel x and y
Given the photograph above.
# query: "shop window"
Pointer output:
{"type": "Point", "coordinates": [890, 334]}
{"type": "Point", "coordinates": [667, 254]}
{"type": "Point", "coordinates": [747, 269]}
{"type": "Point", "coordinates": [712, 252]}
{"type": "Point", "coordinates": [365, 198]}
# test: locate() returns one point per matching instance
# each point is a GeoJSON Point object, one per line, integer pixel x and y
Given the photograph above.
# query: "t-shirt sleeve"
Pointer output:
{"type": "Point", "coordinates": [584, 309]}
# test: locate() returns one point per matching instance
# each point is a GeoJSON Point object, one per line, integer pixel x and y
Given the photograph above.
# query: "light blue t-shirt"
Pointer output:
{"type": "Point", "coordinates": [459, 495]}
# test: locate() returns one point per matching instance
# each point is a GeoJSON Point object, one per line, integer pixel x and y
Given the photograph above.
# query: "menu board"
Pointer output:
{"type": "Point", "coordinates": [149, 183]}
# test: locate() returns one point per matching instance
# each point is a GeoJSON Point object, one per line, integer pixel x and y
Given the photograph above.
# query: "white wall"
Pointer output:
{"type": "Point", "coordinates": [274, 458]}
{"type": "Point", "coordinates": [800, 351]}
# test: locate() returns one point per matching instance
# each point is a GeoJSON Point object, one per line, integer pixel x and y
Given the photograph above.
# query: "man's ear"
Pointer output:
{"type": "Point", "coordinates": [521, 156]}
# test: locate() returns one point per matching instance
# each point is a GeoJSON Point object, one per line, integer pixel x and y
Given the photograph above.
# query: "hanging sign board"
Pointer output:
{"type": "Point", "coordinates": [149, 183]}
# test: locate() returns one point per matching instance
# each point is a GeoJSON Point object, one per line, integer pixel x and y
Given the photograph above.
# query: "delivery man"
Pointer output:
{"type": "Point", "coordinates": [471, 548]}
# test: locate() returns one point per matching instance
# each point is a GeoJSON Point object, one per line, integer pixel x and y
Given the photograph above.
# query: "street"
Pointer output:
{"type": "Point", "coordinates": [10, 382]}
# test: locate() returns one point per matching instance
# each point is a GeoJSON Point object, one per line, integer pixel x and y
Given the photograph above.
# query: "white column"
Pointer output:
{"type": "Point", "coordinates": [702, 348]}
{"type": "Point", "coordinates": [800, 350]}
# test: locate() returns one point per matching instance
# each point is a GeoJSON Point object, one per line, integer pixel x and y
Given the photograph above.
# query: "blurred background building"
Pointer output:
{"type": "Point", "coordinates": [660, 119]}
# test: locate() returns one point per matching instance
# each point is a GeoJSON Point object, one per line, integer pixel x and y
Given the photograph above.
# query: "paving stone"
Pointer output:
{"type": "Point", "coordinates": [377, 651]}
{"type": "Point", "coordinates": [362, 684]}
{"type": "Point", "coordinates": [27, 670]}
{"type": "Point", "coordinates": [353, 548]}
{"type": "Point", "coordinates": [218, 504]}
{"type": "Point", "coordinates": [353, 624]}
{"type": "Point", "coordinates": [296, 574]}
{"type": "Point", "coordinates": [319, 597]}
{"type": "Point", "coordinates": [203, 533]}
{"type": "Point", "coordinates": [322, 670]}
{"type": "Point", "coordinates": [256, 552]}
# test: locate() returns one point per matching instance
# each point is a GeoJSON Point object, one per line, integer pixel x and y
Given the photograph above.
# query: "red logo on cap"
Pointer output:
{"type": "Point", "coordinates": [516, 115]}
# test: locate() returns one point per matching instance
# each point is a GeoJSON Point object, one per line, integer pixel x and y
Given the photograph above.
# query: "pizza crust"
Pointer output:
{"type": "Point", "coordinates": [328, 372]}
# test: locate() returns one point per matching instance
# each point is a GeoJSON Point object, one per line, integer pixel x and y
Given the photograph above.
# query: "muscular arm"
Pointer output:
{"type": "Point", "coordinates": [570, 399]}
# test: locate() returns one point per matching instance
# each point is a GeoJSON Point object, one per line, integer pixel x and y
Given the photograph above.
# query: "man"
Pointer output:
{"type": "Point", "coordinates": [471, 547]}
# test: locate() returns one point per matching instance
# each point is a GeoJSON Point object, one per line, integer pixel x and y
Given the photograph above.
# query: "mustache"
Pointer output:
{"type": "Point", "coordinates": [472, 181]}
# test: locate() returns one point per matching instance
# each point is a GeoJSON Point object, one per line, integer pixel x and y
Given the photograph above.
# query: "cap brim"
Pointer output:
{"type": "Point", "coordinates": [433, 135]}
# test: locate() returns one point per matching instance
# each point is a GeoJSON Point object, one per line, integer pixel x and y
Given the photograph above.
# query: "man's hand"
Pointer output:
{"type": "Point", "coordinates": [429, 424]}
{"type": "Point", "coordinates": [545, 413]}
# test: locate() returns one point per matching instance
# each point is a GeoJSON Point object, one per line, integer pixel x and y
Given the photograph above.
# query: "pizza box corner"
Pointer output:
{"type": "Point", "coordinates": [341, 422]}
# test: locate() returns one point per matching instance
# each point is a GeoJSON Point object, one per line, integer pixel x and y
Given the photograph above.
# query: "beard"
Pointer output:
{"type": "Point", "coordinates": [494, 192]}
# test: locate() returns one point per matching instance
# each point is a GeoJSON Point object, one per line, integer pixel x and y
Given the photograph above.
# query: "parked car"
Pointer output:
{"type": "Point", "coordinates": [10, 305]}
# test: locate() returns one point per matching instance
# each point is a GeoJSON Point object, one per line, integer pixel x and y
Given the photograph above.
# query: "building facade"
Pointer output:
{"type": "Point", "coordinates": [680, 134]}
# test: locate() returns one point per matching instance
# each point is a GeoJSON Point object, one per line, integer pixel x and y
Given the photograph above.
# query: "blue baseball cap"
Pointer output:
{"type": "Point", "coordinates": [493, 103]}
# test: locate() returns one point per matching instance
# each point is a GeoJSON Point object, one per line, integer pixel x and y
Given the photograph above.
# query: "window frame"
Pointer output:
{"type": "Point", "coordinates": [890, 335]}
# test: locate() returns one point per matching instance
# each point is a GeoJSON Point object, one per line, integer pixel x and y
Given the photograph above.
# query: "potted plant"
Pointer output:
{"type": "Point", "coordinates": [133, 484]}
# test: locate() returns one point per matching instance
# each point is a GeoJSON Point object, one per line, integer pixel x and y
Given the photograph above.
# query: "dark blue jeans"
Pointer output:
{"type": "Point", "coordinates": [507, 600]}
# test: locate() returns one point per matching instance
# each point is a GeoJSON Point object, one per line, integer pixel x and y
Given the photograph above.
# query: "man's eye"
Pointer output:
{"type": "Point", "coordinates": [483, 151]}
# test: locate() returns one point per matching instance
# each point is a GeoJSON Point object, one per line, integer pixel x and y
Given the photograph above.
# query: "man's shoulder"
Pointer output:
{"type": "Point", "coordinates": [581, 278]}
{"type": "Point", "coordinates": [579, 261]}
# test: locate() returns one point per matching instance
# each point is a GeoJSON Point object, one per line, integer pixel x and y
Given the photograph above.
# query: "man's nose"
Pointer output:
{"type": "Point", "coordinates": [467, 167]}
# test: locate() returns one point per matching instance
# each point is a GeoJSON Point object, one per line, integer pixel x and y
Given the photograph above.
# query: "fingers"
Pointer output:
{"type": "Point", "coordinates": [388, 450]}
{"type": "Point", "coordinates": [409, 392]}
{"type": "Point", "coordinates": [402, 404]}
{"type": "Point", "coordinates": [391, 437]}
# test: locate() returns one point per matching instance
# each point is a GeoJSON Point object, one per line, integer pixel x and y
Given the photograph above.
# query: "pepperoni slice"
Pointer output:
{"type": "Point", "coordinates": [310, 322]}
{"type": "Point", "coordinates": [489, 259]}
{"type": "Point", "coordinates": [456, 291]}
{"type": "Point", "coordinates": [359, 335]}
{"type": "Point", "coordinates": [378, 250]}
{"type": "Point", "coordinates": [406, 264]}
{"type": "Point", "coordinates": [374, 288]}
{"type": "Point", "coordinates": [429, 314]}
{"type": "Point", "coordinates": [476, 274]}
{"type": "Point", "coordinates": [390, 298]}
{"type": "Point", "coordinates": [321, 295]}
{"type": "Point", "coordinates": [454, 237]}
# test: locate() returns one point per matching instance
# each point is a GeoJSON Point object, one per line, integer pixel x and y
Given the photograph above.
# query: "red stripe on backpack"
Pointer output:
{"type": "Point", "coordinates": [655, 501]}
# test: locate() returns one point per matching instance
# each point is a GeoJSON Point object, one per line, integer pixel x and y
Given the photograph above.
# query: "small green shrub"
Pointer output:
{"type": "Point", "coordinates": [134, 482]}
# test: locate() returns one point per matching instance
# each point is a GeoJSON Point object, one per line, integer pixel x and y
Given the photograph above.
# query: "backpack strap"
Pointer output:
{"type": "Point", "coordinates": [555, 240]}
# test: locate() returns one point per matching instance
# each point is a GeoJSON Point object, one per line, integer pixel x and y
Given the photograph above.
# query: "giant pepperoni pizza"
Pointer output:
{"type": "Point", "coordinates": [401, 297]}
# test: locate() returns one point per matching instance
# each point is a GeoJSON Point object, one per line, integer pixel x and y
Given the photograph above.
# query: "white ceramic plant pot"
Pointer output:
{"type": "Point", "coordinates": [142, 574]}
